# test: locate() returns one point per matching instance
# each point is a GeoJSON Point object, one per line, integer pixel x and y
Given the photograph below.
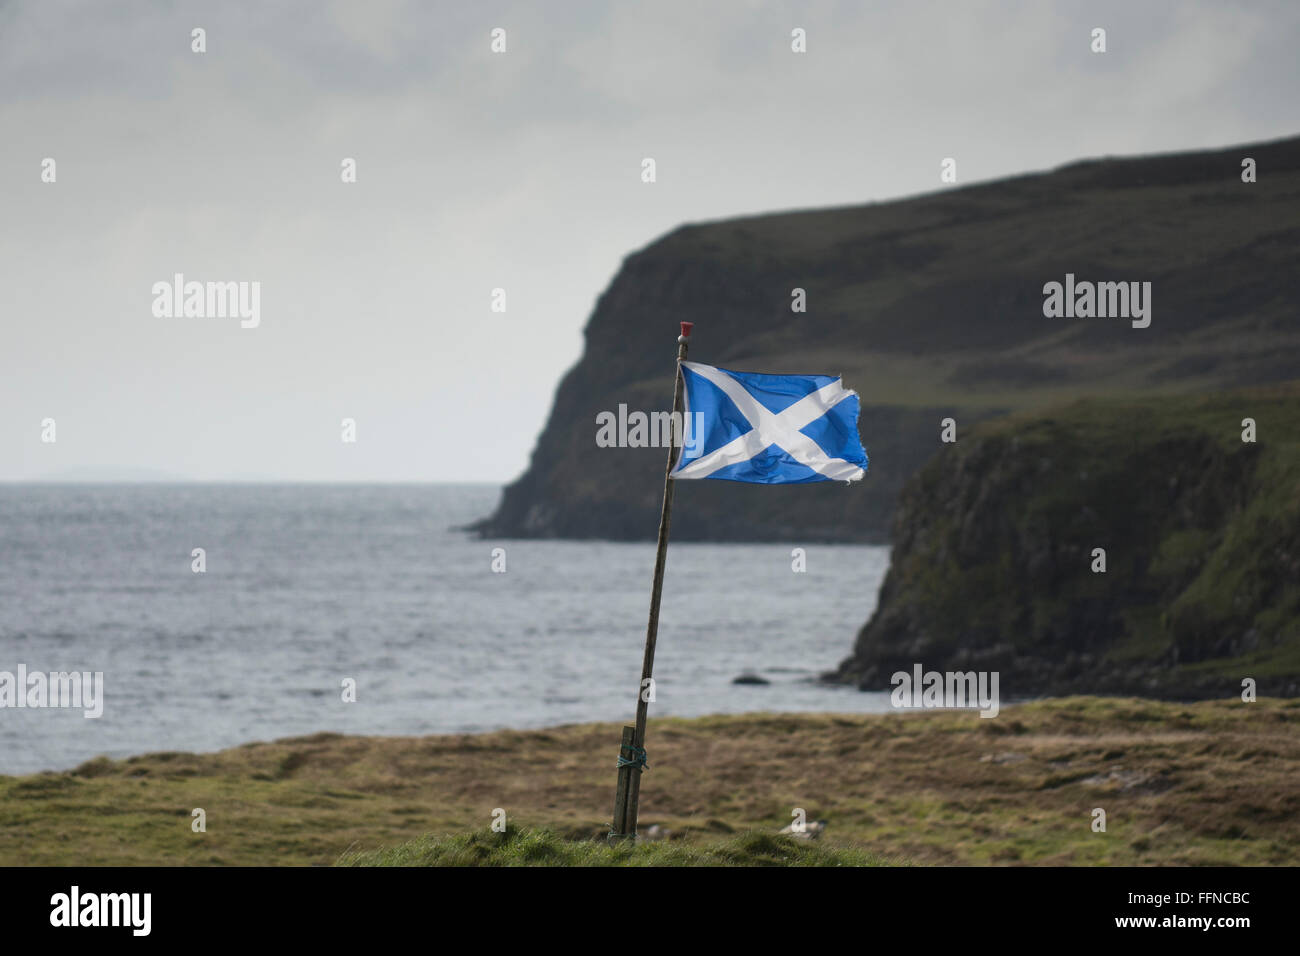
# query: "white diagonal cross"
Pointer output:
{"type": "Point", "coordinates": [772, 429]}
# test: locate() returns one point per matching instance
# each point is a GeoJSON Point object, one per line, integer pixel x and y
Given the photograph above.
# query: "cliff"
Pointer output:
{"type": "Point", "coordinates": [930, 307]}
{"type": "Point", "coordinates": [993, 561]}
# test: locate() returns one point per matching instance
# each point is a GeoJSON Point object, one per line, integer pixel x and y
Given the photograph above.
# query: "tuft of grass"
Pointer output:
{"type": "Point", "coordinates": [527, 846]}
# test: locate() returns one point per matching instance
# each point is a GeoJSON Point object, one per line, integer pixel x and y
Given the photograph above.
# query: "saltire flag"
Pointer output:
{"type": "Point", "coordinates": [768, 429]}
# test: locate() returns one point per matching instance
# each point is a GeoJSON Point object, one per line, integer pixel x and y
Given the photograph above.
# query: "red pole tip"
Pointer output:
{"type": "Point", "coordinates": [686, 329]}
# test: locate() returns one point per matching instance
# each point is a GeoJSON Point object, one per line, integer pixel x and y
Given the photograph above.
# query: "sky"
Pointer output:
{"type": "Point", "coordinates": [478, 170]}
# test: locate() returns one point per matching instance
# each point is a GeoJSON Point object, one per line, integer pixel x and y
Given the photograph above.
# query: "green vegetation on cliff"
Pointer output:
{"type": "Point", "coordinates": [994, 541]}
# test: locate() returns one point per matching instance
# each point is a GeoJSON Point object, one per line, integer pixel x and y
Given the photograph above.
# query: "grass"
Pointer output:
{"type": "Point", "coordinates": [1213, 782]}
{"type": "Point", "coordinates": [518, 846]}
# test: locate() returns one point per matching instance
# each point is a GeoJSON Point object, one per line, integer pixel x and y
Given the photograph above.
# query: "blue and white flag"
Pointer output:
{"type": "Point", "coordinates": [769, 429]}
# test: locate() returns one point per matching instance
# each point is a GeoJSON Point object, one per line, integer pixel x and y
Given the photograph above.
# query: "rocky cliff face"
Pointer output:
{"type": "Point", "coordinates": [994, 553]}
{"type": "Point", "coordinates": [931, 308]}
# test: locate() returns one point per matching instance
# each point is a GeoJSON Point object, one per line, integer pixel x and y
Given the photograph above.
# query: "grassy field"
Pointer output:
{"type": "Point", "coordinates": [521, 846]}
{"type": "Point", "coordinates": [1213, 782]}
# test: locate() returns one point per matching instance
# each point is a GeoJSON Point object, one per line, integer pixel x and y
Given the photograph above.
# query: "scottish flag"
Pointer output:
{"type": "Point", "coordinates": [769, 429]}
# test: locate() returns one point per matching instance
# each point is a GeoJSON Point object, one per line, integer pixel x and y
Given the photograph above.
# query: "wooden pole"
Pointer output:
{"type": "Point", "coordinates": [632, 759]}
{"type": "Point", "coordinates": [618, 831]}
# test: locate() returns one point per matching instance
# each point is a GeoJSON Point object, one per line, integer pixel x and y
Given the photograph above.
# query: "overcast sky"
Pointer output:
{"type": "Point", "coordinates": [479, 170]}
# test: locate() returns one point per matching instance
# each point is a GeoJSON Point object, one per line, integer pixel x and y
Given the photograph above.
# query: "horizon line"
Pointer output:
{"type": "Point", "coordinates": [245, 481]}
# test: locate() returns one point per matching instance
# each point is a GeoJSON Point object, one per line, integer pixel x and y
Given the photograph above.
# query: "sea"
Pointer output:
{"type": "Point", "coordinates": [363, 609]}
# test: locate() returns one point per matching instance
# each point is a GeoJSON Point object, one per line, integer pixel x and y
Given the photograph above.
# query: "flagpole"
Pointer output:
{"type": "Point", "coordinates": [631, 756]}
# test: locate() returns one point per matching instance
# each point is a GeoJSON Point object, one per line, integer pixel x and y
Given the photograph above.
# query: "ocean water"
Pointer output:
{"type": "Point", "coordinates": [308, 585]}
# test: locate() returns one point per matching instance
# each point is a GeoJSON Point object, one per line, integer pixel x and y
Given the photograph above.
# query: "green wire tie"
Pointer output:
{"type": "Point", "coordinates": [638, 760]}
